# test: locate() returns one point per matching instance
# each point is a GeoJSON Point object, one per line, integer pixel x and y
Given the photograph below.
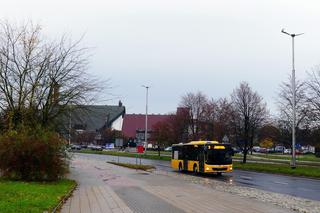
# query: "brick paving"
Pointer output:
{"type": "Point", "coordinates": [108, 188]}
{"type": "Point", "coordinates": [95, 199]}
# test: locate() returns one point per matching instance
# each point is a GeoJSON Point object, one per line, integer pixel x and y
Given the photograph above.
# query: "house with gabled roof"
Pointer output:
{"type": "Point", "coordinates": [94, 119]}
{"type": "Point", "coordinates": [97, 117]}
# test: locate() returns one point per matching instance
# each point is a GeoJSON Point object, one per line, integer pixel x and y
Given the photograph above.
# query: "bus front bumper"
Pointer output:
{"type": "Point", "coordinates": [218, 168]}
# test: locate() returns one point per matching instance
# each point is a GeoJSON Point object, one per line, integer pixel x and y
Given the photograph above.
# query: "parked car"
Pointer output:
{"type": "Point", "coordinates": [279, 149]}
{"type": "Point", "coordinates": [95, 147]}
{"type": "Point", "coordinates": [168, 148]}
{"type": "Point", "coordinates": [83, 146]}
{"type": "Point", "coordinates": [75, 147]}
{"type": "Point", "coordinates": [287, 151]}
{"type": "Point", "coordinates": [256, 148]}
{"type": "Point", "coordinates": [263, 150]}
{"type": "Point", "coordinates": [236, 150]}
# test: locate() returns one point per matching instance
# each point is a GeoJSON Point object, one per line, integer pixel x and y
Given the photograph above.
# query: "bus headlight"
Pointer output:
{"type": "Point", "coordinates": [207, 168]}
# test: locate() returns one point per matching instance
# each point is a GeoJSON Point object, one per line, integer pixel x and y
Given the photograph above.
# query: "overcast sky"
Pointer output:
{"type": "Point", "coordinates": [180, 46]}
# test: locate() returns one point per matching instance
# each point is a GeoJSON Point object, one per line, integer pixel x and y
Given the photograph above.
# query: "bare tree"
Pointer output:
{"type": "Point", "coordinates": [285, 106]}
{"type": "Point", "coordinates": [207, 120]}
{"type": "Point", "coordinates": [223, 121]}
{"type": "Point", "coordinates": [313, 95]}
{"type": "Point", "coordinates": [39, 79]}
{"type": "Point", "coordinates": [196, 103]}
{"type": "Point", "coordinates": [250, 112]}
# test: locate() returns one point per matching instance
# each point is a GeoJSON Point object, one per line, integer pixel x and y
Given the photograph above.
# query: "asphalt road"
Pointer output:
{"type": "Point", "coordinates": [295, 186]}
{"type": "Point", "coordinates": [104, 187]}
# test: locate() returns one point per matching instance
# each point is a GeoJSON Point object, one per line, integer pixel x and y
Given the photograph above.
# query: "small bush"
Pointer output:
{"type": "Point", "coordinates": [32, 154]}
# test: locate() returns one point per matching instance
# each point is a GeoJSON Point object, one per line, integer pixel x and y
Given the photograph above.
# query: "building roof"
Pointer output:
{"type": "Point", "coordinates": [95, 117]}
{"type": "Point", "coordinates": [134, 122]}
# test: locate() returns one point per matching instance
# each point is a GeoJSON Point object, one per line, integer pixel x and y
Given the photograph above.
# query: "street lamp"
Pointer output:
{"type": "Point", "coordinates": [146, 124]}
{"type": "Point", "coordinates": [293, 85]}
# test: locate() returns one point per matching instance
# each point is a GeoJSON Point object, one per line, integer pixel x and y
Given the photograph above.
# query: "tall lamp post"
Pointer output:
{"type": "Point", "coordinates": [146, 121]}
{"type": "Point", "coordinates": [293, 85]}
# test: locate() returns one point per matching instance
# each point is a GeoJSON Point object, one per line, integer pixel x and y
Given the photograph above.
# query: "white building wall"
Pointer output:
{"type": "Point", "coordinates": [117, 124]}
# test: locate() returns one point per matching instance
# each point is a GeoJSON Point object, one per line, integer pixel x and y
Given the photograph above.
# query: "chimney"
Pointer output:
{"type": "Point", "coordinates": [120, 103]}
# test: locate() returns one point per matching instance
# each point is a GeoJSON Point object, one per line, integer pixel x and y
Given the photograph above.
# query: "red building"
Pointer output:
{"type": "Point", "coordinates": [134, 125]}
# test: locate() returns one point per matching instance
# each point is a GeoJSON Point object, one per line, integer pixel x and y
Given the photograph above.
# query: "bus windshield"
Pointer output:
{"type": "Point", "coordinates": [218, 157]}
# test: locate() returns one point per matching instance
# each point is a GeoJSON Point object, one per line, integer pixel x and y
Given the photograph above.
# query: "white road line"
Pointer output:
{"type": "Point", "coordinates": [246, 177]}
{"type": "Point", "coordinates": [304, 189]}
{"type": "Point", "coordinates": [283, 183]}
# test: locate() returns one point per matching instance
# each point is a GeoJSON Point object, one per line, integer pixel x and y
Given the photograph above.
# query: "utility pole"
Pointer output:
{"type": "Point", "coordinates": [293, 85]}
{"type": "Point", "coordinates": [146, 121]}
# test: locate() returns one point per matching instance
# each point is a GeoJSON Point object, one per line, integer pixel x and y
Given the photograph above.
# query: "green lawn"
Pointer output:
{"type": "Point", "coordinates": [126, 154]}
{"type": "Point", "coordinates": [134, 166]}
{"type": "Point", "coordinates": [279, 169]}
{"type": "Point", "coordinates": [161, 153]}
{"type": "Point", "coordinates": [307, 171]}
{"type": "Point", "coordinates": [17, 196]}
{"type": "Point", "coordinates": [306, 157]}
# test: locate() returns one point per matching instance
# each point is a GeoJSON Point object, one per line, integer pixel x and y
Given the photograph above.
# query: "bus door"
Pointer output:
{"type": "Point", "coordinates": [185, 164]}
{"type": "Point", "coordinates": [201, 160]}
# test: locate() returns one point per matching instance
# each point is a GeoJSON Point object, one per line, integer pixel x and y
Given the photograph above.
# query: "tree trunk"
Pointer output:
{"type": "Point", "coordinates": [244, 156]}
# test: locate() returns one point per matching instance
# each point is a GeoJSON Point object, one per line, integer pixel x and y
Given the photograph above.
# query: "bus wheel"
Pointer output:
{"type": "Point", "coordinates": [219, 173]}
{"type": "Point", "coordinates": [195, 169]}
{"type": "Point", "coordinates": [180, 167]}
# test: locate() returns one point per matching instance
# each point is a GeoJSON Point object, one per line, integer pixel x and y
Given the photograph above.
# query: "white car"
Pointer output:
{"type": "Point", "coordinates": [256, 148]}
{"type": "Point", "coordinates": [287, 151]}
{"type": "Point", "coordinates": [168, 148]}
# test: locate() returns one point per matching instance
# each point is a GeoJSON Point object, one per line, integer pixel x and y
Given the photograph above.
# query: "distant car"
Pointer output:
{"type": "Point", "coordinates": [75, 147]}
{"type": "Point", "coordinates": [168, 148]}
{"type": "Point", "coordinates": [256, 148]}
{"type": "Point", "coordinates": [287, 151]}
{"type": "Point", "coordinates": [279, 149]}
{"type": "Point", "coordinates": [263, 150]}
{"type": "Point", "coordinates": [236, 150]}
{"type": "Point", "coordinates": [271, 150]}
{"type": "Point", "coordinates": [95, 147]}
{"type": "Point", "coordinates": [83, 146]}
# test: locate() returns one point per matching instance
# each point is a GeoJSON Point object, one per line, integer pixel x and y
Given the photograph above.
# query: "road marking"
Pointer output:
{"type": "Point", "coordinates": [307, 190]}
{"type": "Point", "coordinates": [283, 183]}
{"type": "Point", "coordinates": [246, 177]}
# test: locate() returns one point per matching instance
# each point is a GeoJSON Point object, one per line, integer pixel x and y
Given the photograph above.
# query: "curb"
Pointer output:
{"type": "Point", "coordinates": [64, 199]}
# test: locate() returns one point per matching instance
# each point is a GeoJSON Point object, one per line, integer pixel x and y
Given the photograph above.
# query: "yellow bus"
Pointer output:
{"type": "Point", "coordinates": [202, 157]}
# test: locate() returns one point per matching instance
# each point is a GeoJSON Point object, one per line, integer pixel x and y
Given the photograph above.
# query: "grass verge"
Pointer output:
{"type": "Point", "coordinates": [125, 154]}
{"type": "Point", "coordinates": [18, 196]}
{"type": "Point", "coordinates": [303, 171]}
{"type": "Point", "coordinates": [306, 157]}
{"type": "Point", "coordinates": [284, 169]}
{"type": "Point", "coordinates": [133, 166]}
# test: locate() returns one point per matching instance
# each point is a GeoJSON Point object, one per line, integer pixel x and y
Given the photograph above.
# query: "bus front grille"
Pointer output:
{"type": "Point", "coordinates": [219, 169]}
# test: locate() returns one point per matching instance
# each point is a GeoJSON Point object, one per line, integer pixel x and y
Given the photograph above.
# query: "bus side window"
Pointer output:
{"type": "Point", "coordinates": [176, 155]}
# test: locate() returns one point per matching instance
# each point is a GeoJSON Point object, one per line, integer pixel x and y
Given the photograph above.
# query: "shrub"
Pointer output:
{"type": "Point", "coordinates": [32, 154]}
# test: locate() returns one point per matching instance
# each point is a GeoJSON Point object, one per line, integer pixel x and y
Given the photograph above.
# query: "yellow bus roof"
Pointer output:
{"type": "Point", "coordinates": [198, 143]}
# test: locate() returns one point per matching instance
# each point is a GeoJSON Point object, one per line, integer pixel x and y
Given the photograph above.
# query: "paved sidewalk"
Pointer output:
{"type": "Point", "coordinates": [95, 199]}
{"type": "Point", "coordinates": [107, 188]}
{"type": "Point", "coordinates": [92, 194]}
